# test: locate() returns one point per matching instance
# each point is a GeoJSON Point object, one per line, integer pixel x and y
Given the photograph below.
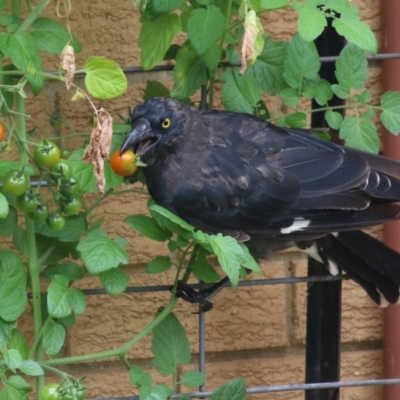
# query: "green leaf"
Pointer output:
{"type": "Point", "coordinates": [311, 23]}
{"type": "Point", "coordinates": [297, 119]}
{"type": "Point", "coordinates": [53, 337]}
{"type": "Point", "coordinates": [351, 68]}
{"type": "Point", "coordinates": [205, 27]}
{"type": "Point", "coordinates": [13, 298]}
{"type": "Point", "coordinates": [334, 119]}
{"type": "Point", "coordinates": [212, 57]}
{"type": "Point", "coordinates": [22, 50]}
{"type": "Point", "coordinates": [240, 93]}
{"type": "Point", "coordinates": [10, 393]}
{"type": "Point", "coordinates": [104, 78]}
{"type": "Point", "coordinates": [289, 96]}
{"type": "Point", "coordinates": [158, 392]}
{"type": "Point", "coordinates": [114, 281]}
{"type": "Point", "coordinates": [70, 270]}
{"type": "Point", "coordinates": [19, 383]}
{"type": "Point", "coordinates": [77, 300]}
{"type": "Point", "coordinates": [112, 179]}
{"type": "Point", "coordinates": [19, 343]}
{"type": "Point", "coordinates": [190, 72]}
{"type": "Point", "coordinates": [155, 89]}
{"type": "Point", "coordinates": [155, 209]}
{"type": "Point", "coordinates": [58, 298]}
{"type": "Point", "coordinates": [9, 224]}
{"type": "Point", "coordinates": [390, 105]}
{"type": "Point", "coordinates": [155, 38]}
{"type": "Point", "coordinates": [302, 62]}
{"type": "Point", "coordinates": [170, 345]}
{"type": "Point", "coordinates": [148, 227]}
{"type": "Point", "coordinates": [82, 172]}
{"type": "Point", "coordinates": [20, 240]}
{"type": "Point", "coordinates": [247, 260]}
{"type": "Point", "coordinates": [139, 377]}
{"type": "Point", "coordinates": [31, 368]}
{"type": "Point", "coordinates": [165, 6]}
{"type": "Point", "coordinates": [12, 358]}
{"type": "Point", "coordinates": [320, 91]}
{"type": "Point", "coordinates": [360, 134]}
{"type": "Point", "coordinates": [233, 390]}
{"type": "Point", "coordinates": [4, 208]}
{"type": "Point", "coordinates": [274, 4]}
{"type": "Point", "coordinates": [51, 36]}
{"type": "Point", "coordinates": [6, 329]}
{"type": "Point", "coordinates": [193, 379]}
{"type": "Point", "coordinates": [205, 272]}
{"type": "Point", "coordinates": [99, 253]}
{"type": "Point", "coordinates": [159, 264]}
{"type": "Point", "coordinates": [356, 31]}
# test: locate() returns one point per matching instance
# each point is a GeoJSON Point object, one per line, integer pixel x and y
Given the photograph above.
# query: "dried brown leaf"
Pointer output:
{"type": "Point", "coordinates": [68, 65]}
{"type": "Point", "coordinates": [99, 147]}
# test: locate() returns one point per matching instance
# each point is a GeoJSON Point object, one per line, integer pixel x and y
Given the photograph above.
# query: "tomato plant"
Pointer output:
{"type": "Point", "coordinates": [40, 213]}
{"type": "Point", "coordinates": [28, 201]}
{"type": "Point", "coordinates": [62, 169]}
{"type": "Point", "coordinates": [46, 154]}
{"type": "Point", "coordinates": [123, 164]}
{"type": "Point", "coordinates": [71, 205]}
{"type": "Point", "coordinates": [69, 188]}
{"type": "Point", "coordinates": [16, 182]}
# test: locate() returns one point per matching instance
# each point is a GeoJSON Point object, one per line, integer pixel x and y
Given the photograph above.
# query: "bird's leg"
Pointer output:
{"type": "Point", "coordinates": [185, 292]}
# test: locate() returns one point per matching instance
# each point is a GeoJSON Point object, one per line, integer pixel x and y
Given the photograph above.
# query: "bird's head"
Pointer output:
{"type": "Point", "coordinates": [156, 124]}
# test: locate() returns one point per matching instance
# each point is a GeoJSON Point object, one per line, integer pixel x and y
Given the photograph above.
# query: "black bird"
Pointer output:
{"type": "Point", "coordinates": [271, 188]}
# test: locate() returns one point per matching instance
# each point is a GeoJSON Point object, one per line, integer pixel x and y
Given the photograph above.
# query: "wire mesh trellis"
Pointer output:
{"type": "Point", "coordinates": [203, 393]}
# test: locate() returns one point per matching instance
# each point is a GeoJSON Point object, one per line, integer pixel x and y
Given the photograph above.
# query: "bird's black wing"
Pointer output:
{"type": "Point", "coordinates": [259, 180]}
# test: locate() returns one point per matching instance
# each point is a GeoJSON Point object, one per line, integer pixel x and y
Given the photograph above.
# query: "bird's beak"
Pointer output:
{"type": "Point", "coordinates": [141, 138]}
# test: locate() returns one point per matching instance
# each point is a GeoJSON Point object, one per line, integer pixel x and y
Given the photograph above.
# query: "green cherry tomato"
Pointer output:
{"type": "Point", "coordinates": [40, 213]}
{"type": "Point", "coordinates": [61, 170]}
{"type": "Point", "coordinates": [16, 182]}
{"type": "Point", "coordinates": [28, 201]}
{"type": "Point", "coordinates": [46, 154]}
{"type": "Point", "coordinates": [55, 221]}
{"type": "Point", "coordinates": [71, 206]}
{"type": "Point", "coordinates": [69, 188]}
{"type": "Point", "coordinates": [50, 392]}
{"type": "Point", "coordinates": [78, 393]}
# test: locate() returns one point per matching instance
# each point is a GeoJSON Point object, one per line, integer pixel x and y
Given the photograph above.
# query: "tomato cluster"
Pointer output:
{"type": "Point", "coordinates": [52, 392]}
{"type": "Point", "coordinates": [46, 154]}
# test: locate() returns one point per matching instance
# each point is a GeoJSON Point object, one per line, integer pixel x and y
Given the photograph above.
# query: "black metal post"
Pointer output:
{"type": "Point", "coordinates": [324, 298]}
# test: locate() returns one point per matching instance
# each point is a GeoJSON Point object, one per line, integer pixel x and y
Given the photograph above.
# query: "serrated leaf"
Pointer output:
{"type": "Point", "coordinates": [19, 343]}
{"type": "Point", "coordinates": [155, 89]}
{"type": "Point", "coordinates": [289, 96]}
{"type": "Point", "coordinates": [82, 172]}
{"type": "Point", "coordinates": [139, 377]}
{"type": "Point", "coordinates": [148, 227]}
{"type": "Point", "coordinates": [58, 297]}
{"type": "Point", "coordinates": [334, 119]}
{"type": "Point", "coordinates": [12, 359]}
{"type": "Point", "coordinates": [99, 253]}
{"type": "Point", "coordinates": [10, 393]}
{"type": "Point", "coordinates": [190, 72]}
{"type": "Point", "coordinates": [165, 6]}
{"type": "Point", "coordinates": [104, 78]}
{"type": "Point", "coordinates": [233, 390]}
{"type": "Point", "coordinates": [77, 300]}
{"type": "Point", "coordinates": [114, 281]}
{"type": "Point", "coordinates": [20, 240]}
{"type": "Point", "coordinates": [9, 224]}
{"type": "Point", "coordinates": [273, 4]}
{"type": "Point", "coordinates": [71, 270]}
{"type": "Point", "coordinates": [390, 105]}
{"type": "Point", "coordinates": [302, 62]}
{"type": "Point", "coordinates": [360, 134]}
{"type": "Point", "coordinates": [205, 272]}
{"type": "Point", "coordinates": [205, 27]}
{"type": "Point", "coordinates": [193, 379]}
{"type": "Point", "coordinates": [53, 337]}
{"type": "Point", "coordinates": [4, 207]}
{"type": "Point", "coordinates": [22, 50]}
{"type": "Point", "coordinates": [159, 264]}
{"type": "Point", "coordinates": [170, 345]}
{"type": "Point", "coordinates": [13, 298]}
{"type": "Point", "coordinates": [155, 38]}
{"type": "Point", "coordinates": [320, 91]}
{"type": "Point", "coordinates": [247, 260]}
{"type": "Point", "coordinates": [240, 93]}
{"type": "Point", "coordinates": [51, 36]}
{"type": "Point", "coordinates": [159, 210]}
{"type": "Point", "coordinates": [311, 23]}
{"type": "Point", "coordinates": [296, 120]}
{"type": "Point", "coordinates": [351, 69]}
{"type": "Point", "coordinates": [31, 368]}
{"type": "Point", "coordinates": [356, 31]}
{"type": "Point", "coordinates": [19, 383]}
{"type": "Point", "coordinates": [6, 329]}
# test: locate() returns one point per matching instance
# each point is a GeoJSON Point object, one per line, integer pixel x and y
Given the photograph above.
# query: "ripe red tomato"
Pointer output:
{"type": "Point", "coordinates": [46, 154]}
{"type": "Point", "coordinates": [123, 164]}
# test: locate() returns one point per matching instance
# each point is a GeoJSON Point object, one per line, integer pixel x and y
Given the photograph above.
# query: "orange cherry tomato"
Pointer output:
{"type": "Point", "coordinates": [123, 164]}
{"type": "Point", "coordinates": [2, 132]}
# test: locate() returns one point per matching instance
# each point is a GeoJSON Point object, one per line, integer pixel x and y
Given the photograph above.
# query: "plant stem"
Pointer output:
{"type": "Point", "coordinates": [33, 16]}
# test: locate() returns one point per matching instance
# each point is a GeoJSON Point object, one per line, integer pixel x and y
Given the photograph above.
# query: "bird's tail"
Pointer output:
{"type": "Point", "coordinates": [366, 260]}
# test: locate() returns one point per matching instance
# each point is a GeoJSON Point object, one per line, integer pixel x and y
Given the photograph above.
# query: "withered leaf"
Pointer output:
{"type": "Point", "coordinates": [68, 65]}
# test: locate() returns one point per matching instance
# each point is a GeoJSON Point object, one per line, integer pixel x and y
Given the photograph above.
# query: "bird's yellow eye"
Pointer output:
{"type": "Point", "coordinates": [166, 123]}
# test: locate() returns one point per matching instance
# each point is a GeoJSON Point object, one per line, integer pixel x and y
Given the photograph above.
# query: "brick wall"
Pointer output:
{"type": "Point", "coordinates": [256, 332]}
